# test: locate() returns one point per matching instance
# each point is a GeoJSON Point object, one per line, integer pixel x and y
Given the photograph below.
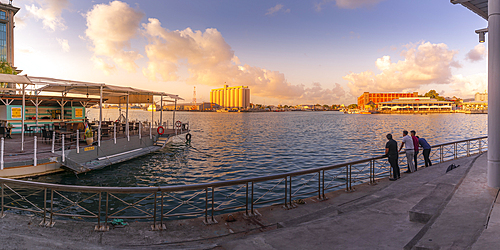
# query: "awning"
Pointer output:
{"type": "Point", "coordinates": [114, 94]}
{"type": "Point", "coordinates": [479, 7]}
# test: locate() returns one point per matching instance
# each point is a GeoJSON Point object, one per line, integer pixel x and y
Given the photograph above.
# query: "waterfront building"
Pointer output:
{"type": "Point", "coordinates": [416, 105]}
{"type": "Point", "coordinates": [481, 97]}
{"type": "Point", "coordinates": [7, 12]}
{"type": "Point", "coordinates": [231, 97]}
{"type": "Point", "coordinates": [190, 106]}
{"type": "Point", "coordinates": [377, 98]}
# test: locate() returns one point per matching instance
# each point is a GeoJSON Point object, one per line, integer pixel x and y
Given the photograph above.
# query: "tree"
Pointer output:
{"type": "Point", "coordinates": [433, 94]}
{"type": "Point", "coordinates": [5, 68]}
{"type": "Point", "coordinates": [352, 106]}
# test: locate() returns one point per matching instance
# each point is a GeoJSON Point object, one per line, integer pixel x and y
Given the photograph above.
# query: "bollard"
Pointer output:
{"type": "Point", "coordinates": [62, 138]}
{"type": "Point", "coordinates": [1, 154]}
{"type": "Point", "coordinates": [34, 157]}
{"type": "Point", "coordinates": [53, 140]}
{"type": "Point", "coordinates": [77, 141]}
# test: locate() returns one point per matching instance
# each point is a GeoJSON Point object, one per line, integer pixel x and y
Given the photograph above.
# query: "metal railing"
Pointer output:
{"type": "Point", "coordinates": [205, 200]}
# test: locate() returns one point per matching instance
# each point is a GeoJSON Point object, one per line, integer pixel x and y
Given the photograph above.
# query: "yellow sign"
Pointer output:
{"type": "Point", "coordinates": [15, 113]}
{"type": "Point", "coordinates": [89, 148]}
{"type": "Point", "coordinates": [78, 112]}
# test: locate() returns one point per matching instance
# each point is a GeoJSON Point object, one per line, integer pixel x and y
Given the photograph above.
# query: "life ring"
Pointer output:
{"type": "Point", "coordinates": [188, 137]}
{"type": "Point", "coordinates": [178, 124]}
{"type": "Point", "coordinates": [162, 130]}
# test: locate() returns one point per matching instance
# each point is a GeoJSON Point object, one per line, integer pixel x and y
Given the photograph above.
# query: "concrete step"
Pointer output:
{"type": "Point", "coordinates": [423, 211]}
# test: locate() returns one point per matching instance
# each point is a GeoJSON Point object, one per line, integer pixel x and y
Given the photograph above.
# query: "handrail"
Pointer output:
{"type": "Point", "coordinates": [346, 172]}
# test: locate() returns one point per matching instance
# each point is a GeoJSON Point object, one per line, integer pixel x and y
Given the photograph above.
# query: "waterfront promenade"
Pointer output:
{"type": "Point", "coordinates": [372, 217]}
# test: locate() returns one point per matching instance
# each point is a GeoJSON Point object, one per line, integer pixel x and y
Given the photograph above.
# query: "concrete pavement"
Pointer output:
{"type": "Point", "coordinates": [454, 209]}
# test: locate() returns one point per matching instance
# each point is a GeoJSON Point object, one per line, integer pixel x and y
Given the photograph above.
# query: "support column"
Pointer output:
{"type": "Point", "coordinates": [23, 116]}
{"type": "Point", "coordinates": [100, 118]}
{"type": "Point", "coordinates": [493, 92]}
{"type": "Point", "coordinates": [126, 119]}
{"type": "Point", "coordinates": [161, 111]}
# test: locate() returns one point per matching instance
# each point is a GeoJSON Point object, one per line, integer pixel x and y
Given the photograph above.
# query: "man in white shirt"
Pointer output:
{"type": "Point", "coordinates": [408, 143]}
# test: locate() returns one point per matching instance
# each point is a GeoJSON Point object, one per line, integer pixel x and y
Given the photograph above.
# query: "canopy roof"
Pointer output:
{"type": "Point", "coordinates": [479, 7]}
{"type": "Point", "coordinates": [113, 93]}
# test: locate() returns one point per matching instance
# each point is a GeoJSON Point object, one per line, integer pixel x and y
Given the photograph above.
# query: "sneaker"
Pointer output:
{"type": "Point", "coordinates": [392, 179]}
{"type": "Point", "coordinates": [407, 171]}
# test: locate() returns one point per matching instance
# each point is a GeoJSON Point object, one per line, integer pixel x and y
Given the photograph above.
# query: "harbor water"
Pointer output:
{"type": "Point", "coordinates": [228, 146]}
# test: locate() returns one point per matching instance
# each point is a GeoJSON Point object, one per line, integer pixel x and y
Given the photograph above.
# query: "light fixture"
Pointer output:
{"type": "Point", "coordinates": [482, 34]}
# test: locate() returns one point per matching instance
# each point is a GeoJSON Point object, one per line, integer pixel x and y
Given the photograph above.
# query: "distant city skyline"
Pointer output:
{"type": "Point", "coordinates": [290, 52]}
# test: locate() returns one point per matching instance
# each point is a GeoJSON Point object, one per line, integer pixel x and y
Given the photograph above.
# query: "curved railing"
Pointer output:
{"type": "Point", "coordinates": [207, 199]}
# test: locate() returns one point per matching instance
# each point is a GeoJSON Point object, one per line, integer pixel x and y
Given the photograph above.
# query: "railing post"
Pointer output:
{"type": "Point", "coordinates": [347, 178]}
{"type": "Point", "coordinates": [154, 212]}
{"type": "Point", "coordinates": [246, 203]}
{"type": "Point", "coordinates": [77, 141]}
{"type": "Point", "coordinates": [161, 211]}
{"type": "Point", "coordinates": [53, 140]}
{"type": "Point", "coordinates": [51, 206]}
{"type": "Point", "coordinates": [213, 198]}
{"type": "Point", "coordinates": [107, 209]}
{"type": "Point", "coordinates": [99, 213]}
{"type": "Point", "coordinates": [290, 193]}
{"type": "Point", "coordinates": [44, 206]}
{"type": "Point", "coordinates": [151, 130]}
{"type": "Point", "coordinates": [286, 192]}
{"type": "Point", "coordinates": [455, 153]}
{"type": "Point", "coordinates": [441, 153]}
{"type": "Point", "coordinates": [1, 153]}
{"type": "Point", "coordinates": [251, 207]}
{"type": "Point", "coordinates": [34, 151]}
{"type": "Point", "coordinates": [62, 155]}
{"type": "Point", "coordinates": [206, 206]}
{"type": "Point", "coordinates": [114, 132]}
{"type": "Point", "coordinates": [319, 185]}
{"type": "Point", "coordinates": [323, 181]}
{"type": "Point", "coordinates": [468, 148]}
{"type": "Point", "coordinates": [140, 130]}
{"type": "Point", "coordinates": [3, 187]}
{"type": "Point", "coordinates": [480, 148]}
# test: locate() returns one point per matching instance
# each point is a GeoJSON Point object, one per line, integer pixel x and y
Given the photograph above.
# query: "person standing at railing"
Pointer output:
{"type": "Point", "coordinates": [408, 144]}
{"type": "Point", "coordinates": [415, 147]}
{"type": "Point", "coordinates": [426, 152]}
{"type": "Point", "coordinates": [391, 151]}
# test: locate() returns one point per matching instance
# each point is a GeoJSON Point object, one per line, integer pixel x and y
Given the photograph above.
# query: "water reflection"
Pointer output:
{"type": "Point", "coordinates": [237, 145]}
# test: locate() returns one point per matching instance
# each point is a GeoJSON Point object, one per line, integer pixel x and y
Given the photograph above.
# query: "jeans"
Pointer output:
{"type": "Point", "coordinates": [426, 154]}
{"type": "Point", "coordinates": [409, 159]}
{"type": "Point", "coordinates": [395, 167]}
{"type": "Point", "coordinates": [415, 156]}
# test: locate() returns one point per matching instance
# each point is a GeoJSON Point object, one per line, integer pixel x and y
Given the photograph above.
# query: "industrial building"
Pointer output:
{"type": "Point", "coordinates": [231, 97]}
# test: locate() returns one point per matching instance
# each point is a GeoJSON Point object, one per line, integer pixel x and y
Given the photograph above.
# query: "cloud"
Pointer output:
{"type": "Point", "coordinates": [423, 63]}
{"type": "Point", "coordinates": [277, 8]}
{"type": "Point", "coordinates": [468, 86]}
{"type": "Point", "coordinates": [211, 61]}
{"type": "Point", "coordinates": [477, 53]}
{"type": "Point", "coordinates": [347, 4]}
{"type": "Point", "coordinates": [110, 27]}
{"type": "Point", "coordinates": [64, 44]}
{"type": "Point", "coordinates": [25, 50]}
{"type": "Point", "coordinates": [49, 12]}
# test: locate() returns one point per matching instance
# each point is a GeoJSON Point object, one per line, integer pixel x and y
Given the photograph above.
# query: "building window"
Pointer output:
{"type": "Point", "coordinates": [3, 41]}
{"type": "Point", "coordinates": [3, 15]}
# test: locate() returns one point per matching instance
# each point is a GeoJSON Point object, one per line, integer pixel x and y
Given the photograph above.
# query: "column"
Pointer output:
{"type": "Point", "coordinates": [494, 93]}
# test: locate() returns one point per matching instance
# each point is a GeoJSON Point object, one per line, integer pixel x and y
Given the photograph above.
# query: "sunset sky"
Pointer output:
{"type": "Point", "coordinates": [287, 52]}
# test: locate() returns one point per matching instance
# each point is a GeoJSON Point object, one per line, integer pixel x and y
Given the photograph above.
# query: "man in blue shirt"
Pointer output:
{"type": "Point", "coordinates": [426, 152]}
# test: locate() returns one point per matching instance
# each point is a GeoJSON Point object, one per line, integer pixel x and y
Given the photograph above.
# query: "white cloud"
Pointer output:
{"type": "Point", "coordinates": [49, 11]}
{"type": "Point", "coordinates": [25, 50]}
{"type": "Point", "coordinates": [211, 61]}
{"type": "Point", "coordinates": [347, 4]}
{"type": "Point", "coordinates": [476, 54]}
{"type": "Point", "coordinates": [423, 63]}
{"type": "Point", "coordinates": [468, 86]}
{"type": "Point", "coordinates": [110, 27]}
{"type": "Point", "coordinates": [277, 8]}
{"type": "Point", "coordinates": [64, 44]}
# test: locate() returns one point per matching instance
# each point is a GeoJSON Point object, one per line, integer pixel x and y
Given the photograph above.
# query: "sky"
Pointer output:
{"type": "Point", "coordinates": [286, 52]}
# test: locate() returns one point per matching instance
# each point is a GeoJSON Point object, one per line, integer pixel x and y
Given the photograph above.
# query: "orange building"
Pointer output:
{"type": "Point", "coordinates": [366, 97]}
